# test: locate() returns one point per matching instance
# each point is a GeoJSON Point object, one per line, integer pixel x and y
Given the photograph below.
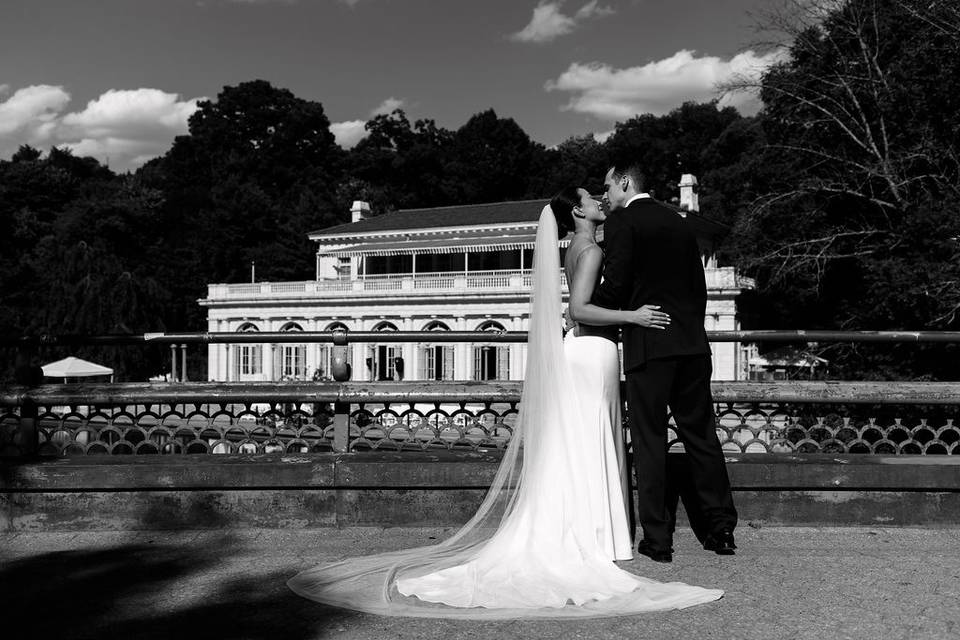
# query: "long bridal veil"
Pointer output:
{"type": "Point", "coordinates": [517, 557]}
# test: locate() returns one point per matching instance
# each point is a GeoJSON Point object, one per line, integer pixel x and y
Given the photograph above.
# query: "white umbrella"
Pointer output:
{"type": "Point", "coordinates": [75, 368]}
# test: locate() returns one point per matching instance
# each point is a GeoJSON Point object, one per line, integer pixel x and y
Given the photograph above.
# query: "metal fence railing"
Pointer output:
{"type": "Point", "coordinates": [300, 417]}
{"type": "Point", "coordinates": [212, 418]}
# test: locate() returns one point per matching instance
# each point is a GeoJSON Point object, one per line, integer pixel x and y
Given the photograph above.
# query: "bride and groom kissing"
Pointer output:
{"type": "Point", "coordinates": [652, 257]}
{"type": "Point", "coordinates": [545, 541]}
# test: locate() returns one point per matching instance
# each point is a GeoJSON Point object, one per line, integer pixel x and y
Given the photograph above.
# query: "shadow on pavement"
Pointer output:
{"type": "Point", "coordinates": [120, 592]}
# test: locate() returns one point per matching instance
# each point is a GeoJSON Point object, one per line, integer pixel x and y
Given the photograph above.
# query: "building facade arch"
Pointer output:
{"type": "Point", "coordinates": [291, 358]}
{"type": "Point", "coordinates": [384, 360]}
{"type": "Point", "coordinates": [434, 325]}
{"type": "Point", "coordinates": [491, 361]}
{"type": "Point", "coordinates": [247, 358]}
{"type": "Point", "coordinates": [436, 361]}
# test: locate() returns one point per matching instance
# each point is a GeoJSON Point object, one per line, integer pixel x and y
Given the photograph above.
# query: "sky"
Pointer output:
{"type": "Point", "coordinates": [118, 79]}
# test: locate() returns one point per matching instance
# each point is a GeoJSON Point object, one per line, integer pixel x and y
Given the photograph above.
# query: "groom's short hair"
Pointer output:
{"type": "Point", "coordinates": [632, 170]}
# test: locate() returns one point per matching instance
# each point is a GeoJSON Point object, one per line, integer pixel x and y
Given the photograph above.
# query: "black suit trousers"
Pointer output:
{"type": "Point", "coordinates": [683, 384]}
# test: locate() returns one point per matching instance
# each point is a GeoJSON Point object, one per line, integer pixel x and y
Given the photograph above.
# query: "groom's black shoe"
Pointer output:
{"type": "Point", "coordinates": [720, 542]}
{"type": "Point", "coordinates": [646, 548]}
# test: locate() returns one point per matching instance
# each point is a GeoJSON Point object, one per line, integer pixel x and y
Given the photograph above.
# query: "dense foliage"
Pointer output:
{"type": "Point", "coordinates": [856, 185]}
{"type": "Point", "coordinates": [842, 193]}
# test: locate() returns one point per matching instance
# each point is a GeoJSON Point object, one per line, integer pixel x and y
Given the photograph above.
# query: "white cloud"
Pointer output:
{"type": "Point", "coordinates": [601, 136]}
{"type": "Point", "coordinates": [123, 128]}
{"type": "Point", "coordinates": [122, 112]}
{"type": "Point", "coordinates": [660, 86]}
{"type": "Point", "coordinates": [548, 23]}
{"type": "Point", "coordinates": [28, 114]}
{"type": "Point", "coordinates": [348, 134]}
{"type": "Point", "coordinates": [593, 10]}
{"type": "Point", "coordinates": [387, 106]}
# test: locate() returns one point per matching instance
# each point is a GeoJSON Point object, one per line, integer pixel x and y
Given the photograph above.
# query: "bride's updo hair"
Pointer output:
{"type": "Point", "coordinates": [562, 205]}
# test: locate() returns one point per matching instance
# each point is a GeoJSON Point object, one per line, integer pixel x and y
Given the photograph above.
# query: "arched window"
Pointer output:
{"type": "Point", "coordinates": [248, 358]}
{"type": "Point", "coordinates": [491, 362]}
{"type": "Point", "coordinates": [324, 369]}
{"type": "Point", "coordinates": [293, 357]}
{"type": "Point", "coordinates": [436, 360]}
{"type": "Point", "coordinates": [384, 361]}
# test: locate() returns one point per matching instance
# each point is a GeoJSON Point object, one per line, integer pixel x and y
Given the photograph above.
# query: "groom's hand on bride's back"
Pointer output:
{"type": "Point", "coordinates": [650, 316]}
{"type": "Point", "coordinates": [568, 322]}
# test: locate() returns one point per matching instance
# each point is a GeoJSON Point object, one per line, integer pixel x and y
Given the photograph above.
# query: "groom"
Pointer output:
{"type": "Point", "coordinates": [652, 258]}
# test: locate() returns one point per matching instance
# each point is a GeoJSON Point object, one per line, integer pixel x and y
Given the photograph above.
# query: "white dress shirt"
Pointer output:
{"type": "Point", "coordinates": [636, 197]}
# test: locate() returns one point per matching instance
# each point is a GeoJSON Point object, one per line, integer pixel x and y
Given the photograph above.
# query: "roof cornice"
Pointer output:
{"type": "Point", "coordinates": [473, 229]}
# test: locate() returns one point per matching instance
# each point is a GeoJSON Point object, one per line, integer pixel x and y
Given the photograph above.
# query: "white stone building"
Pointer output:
{"type": "Point", "coordinates": [460, 268]}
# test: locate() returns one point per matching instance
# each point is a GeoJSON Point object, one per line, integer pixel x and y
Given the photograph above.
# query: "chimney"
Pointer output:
{"type": "Point", "coordinates": [689, 200]}
{"type": "Point", "coordinates": [359, 210]}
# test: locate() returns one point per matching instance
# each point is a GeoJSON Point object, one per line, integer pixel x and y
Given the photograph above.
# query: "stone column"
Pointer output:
{"type": "Point", "coordinates": [413, 354]}
{"type": "Point", "coordinates": [462, 363]}
{"type": "Point", "coordinates": [213, 353]}
{"type": "Point", "coordinates": [517, 357]}
{"type": "Point", "coordinates": [360, 349]}
{"type": "Point", "coordinates": [312, 350]}
{"type": "Point", "coordinates": [269, 358]}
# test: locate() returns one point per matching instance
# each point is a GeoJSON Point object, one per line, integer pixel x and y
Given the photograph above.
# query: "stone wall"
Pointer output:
{"type": "Point", "coordinates": [435, 489]}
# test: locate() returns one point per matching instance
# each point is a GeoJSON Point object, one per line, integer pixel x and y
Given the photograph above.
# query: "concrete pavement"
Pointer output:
{"type": "Point", "coordinates": [792, 583]}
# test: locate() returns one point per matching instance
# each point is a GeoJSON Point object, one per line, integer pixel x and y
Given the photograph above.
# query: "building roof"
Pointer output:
{"type": "Point", "coordinates": [471, 218]}
{"type": "Point", "coordinates": [514, 212]}
{"type": "Point", "coordinates": [431, 246]}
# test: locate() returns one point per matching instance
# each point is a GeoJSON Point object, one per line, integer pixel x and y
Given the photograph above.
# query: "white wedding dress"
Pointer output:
{"type": "Point", "coordinates": [544, 541]}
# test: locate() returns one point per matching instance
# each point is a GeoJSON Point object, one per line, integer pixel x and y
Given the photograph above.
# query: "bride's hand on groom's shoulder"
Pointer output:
{"type": "Point", "coordinates": [650, 316]}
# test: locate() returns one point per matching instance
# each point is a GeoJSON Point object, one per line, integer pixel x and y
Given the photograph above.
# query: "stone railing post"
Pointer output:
{"type": "Point", "coordinates": [341, 370]}
{"type": "Point", "coordinates": [341, 427]}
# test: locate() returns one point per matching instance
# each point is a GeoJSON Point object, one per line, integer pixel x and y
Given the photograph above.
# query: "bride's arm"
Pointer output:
{"type": "Point", "coordinates": [581, 289]}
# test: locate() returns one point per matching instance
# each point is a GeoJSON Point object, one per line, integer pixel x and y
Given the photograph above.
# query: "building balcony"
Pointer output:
{"type": "Point", "coordinates": [411, 284]}
{"type": "Point", "coordinates": [387, 285]}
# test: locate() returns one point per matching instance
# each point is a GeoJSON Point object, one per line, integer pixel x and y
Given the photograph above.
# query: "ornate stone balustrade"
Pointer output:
{"type": "Point", "coordinates": [723, 278]}
{"type": "Point", "coordinates": [385, 285]}
{"type": "Point", "coordinates": [213, 418]}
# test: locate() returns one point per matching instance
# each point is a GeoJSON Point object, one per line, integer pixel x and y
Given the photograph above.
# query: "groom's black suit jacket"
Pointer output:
{"type": "Point", "coordinates": [652, 257]}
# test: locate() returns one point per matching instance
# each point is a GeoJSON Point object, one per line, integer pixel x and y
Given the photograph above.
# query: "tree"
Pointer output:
{"type": "Point", "coordinates": [257, 172]}
{"type": "Point", "coordinates": [578, 160]}
{"type": "Point", "coordinates": [488, 159]}
{"type": "Point", "coordinates": [861, 173]}
{"type": "Point", "coordinates": [492, 159]}
{"type": "Point", "coordinates": [670, 145]}
{"type": "Point", "coordinates": [76, 255]}
{"type": "Point", "coordinates": [398, 165]}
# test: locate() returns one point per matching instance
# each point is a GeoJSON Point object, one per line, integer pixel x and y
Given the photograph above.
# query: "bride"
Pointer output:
{"type": "Point", "coordinates": [544, 541]}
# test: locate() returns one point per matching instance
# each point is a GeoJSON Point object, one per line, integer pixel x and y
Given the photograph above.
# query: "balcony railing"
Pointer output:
{"type": "Point", "coordinates": [518, 281]}
{"type": "Point", "coordinates": [376, 285]}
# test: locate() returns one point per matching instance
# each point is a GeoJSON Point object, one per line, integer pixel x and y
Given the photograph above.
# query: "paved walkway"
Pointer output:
{"type": "Point", "coordinates": [823, 584]}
